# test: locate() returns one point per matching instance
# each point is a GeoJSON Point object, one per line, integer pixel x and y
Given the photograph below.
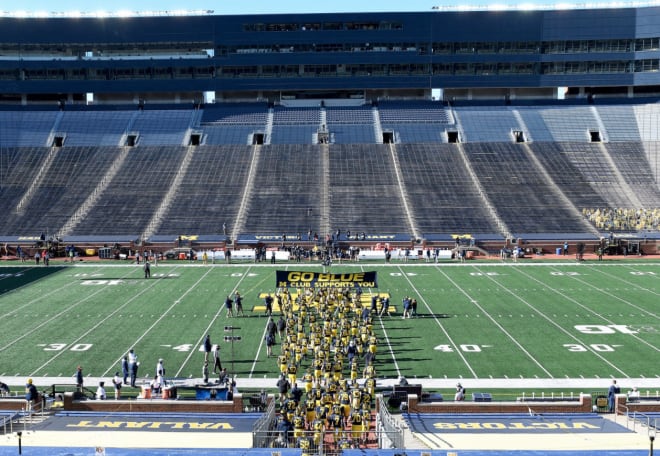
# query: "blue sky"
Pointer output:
{"type": "Point", "coordinates": [233, 6]}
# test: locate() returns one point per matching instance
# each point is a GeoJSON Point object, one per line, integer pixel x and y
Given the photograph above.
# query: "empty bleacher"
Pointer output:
{"type": "Point", "coordinates": [414, 121]}
{"type": "Point", "coordinates": [559, 123]}
{"type": "Point", "coordinates": [350, 124]}
{"type": "Point", "coordinates": [595, 171]}
{"type": "Point", "coordinates": [487, 124]}
{"type": "Point", "coordinates": [441, 192]}
{"type": "Point", "coordinates": [632, 163]}
{"type": "Point", "coordinates": [363, 192]}
{"type": "Point", "coordinates": [94, 127]}
{"type": "Point", "coordinates": [162, 127]}
{"type": "Point", "coordinates": [129, 201]}
{"type": "Point", "coordinates": [295, 125]}
{"type": "Point", "coordinates": [211, 191]}
{"type": "Point", "coordinates": [26, 128]}
{"type": "Point", "coordinates": [567, 175]}
{"type": "Point", "coordinates": [287, 183]}
{"type": "Point", "coordinates": [232, 123]}
{"type": "Point", "coordinates": [72, 175]}
{"type": "Point", "coordinates": [620, 122]}
{"type": "Point", "coordinates": [520, 195]}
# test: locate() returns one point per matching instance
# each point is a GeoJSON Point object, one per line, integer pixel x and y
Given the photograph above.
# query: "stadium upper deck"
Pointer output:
{"type": "Point", "coordinates": [468, 54]}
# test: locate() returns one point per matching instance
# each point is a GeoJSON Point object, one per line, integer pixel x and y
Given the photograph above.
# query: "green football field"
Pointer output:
{"type": "Point", "coordinates": [476, 321]}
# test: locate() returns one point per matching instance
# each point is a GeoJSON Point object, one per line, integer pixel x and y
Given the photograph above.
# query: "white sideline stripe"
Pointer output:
{"type": "Point", "coordinates": [46, 322]}
{"type": "Point", "coordinates": [551, 321]}
{"type": "Point", "coordinates": [457, 350]}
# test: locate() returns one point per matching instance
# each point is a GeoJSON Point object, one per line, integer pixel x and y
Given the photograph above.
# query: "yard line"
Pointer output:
{"type": "Point", "coordinates": [54, 317]}
{"type": "Point", "coordinates": [215, 317]}
{"type": "Point", "coordinates": [487, 314]}
{"type": "Point", "coordinates": [40, 297]}
{"type": "Point", "coordinates": [549, 319]}
{"type": "Point", "coordinates": [451, 341]}
{"type": "Point", "coordinates": [98, 324]}
{"type": "Point", "coordinates": [579, 304]}
{"type": "Point", "coordinates": [387, 339]}
{"type": "Point", "coordinates": [263, 336]}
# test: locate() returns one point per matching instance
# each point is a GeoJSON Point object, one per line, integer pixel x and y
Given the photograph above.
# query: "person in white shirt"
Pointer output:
{"type": "Point", "coordinates": [117, 382]}
{"type": "Point", "coordinates": [460, 393]}
{"type": "Point", "coordinates": [100, 391]}
{"type": "Point", "coordinates": [160, 369]}
{"type": "Point", "coordinates": [156, 385]}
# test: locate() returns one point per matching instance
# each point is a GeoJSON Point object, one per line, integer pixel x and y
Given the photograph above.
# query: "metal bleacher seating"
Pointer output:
{"type": "Point", "coordinates": [521, 196]}
{"type": "Point", "coordinates": [363, 193]}
{"type": "Point", "coordinates": [595, 171]}
{"type": "Point", "coordinates": [293, 134]}
{"type": "Point", "coordinates": [567, 175]}
{"type": "Point", "coordinates": [130, 200]}
{"type": "Point", "coordinates": [414, 121]}
{"type": "Point", "coordinates": [94, 128]}
{"type": "Point", "coordinates": [647, 121]}
{"type": "Point", "coordinates": [229, 134]}
{"type": "Point", "coordinates": [351, 124]}
{"type": "Point", "coordinates": [72, 175]}
{"type": "Point", "coordinates": [487, 123]}
{"type": "Point", "coordinates": [559, 123]}
{"type": "Point", "coordinates": [619, 121]}
{"type": "Point", "coordinates": [19, 166]}
{"type": "Point", "coordinates": [163, 127]}
{"type": "Point", "coordinates": [441, 191]}
{"type": "Point", "coordinates": [631, 162]}
{"type": "Point", "coordinates": [26, 128]}
{"type": "Point", "coordinates": [233, 123]}
{"type": "Point", "coordinates": [288, 183]}
{"type": "Point", "coordinates": [209, 195]}
{"type": "Point", "coordinates": [295, 125]}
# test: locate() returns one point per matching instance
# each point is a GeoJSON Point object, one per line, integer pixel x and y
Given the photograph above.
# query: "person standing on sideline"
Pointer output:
{"type": "Point", "coordinates": [124, 369]}
{"type": "Point", "coordinates": [207, 347]}
{"type": "Point", "coordinates": [611, 396]}
{"type": "Point", "coordinates": [147, 270]}
{"type": "Point", "coordinates": [217, 365]}
{"type": "Point", "coordinates": [79, 379]}
{"type": "Point", "coordinates": [229, 305]}
{"type": "Point", "coordinates": [100, 392]}
{"type": "Point", "coordinates": [205, 372]}
{"type": "Point", "coordinates": [238, 300]}
{"type": "Point", "coordinates": [31, 394]}
{"type": "Point", "coordinates": [160, 369]}
{"type": "Point", "coordinates": [116, 381]}
{"type": "Point", "coordinates": [460, 393]}
{"type": "Point", "coordinates": [565, 249]}
{"type": "Point", "coordinates": [133, 365]}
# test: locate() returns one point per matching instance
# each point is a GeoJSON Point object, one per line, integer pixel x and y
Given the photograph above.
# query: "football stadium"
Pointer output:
{"type": "Point", "coordinates": [380, 233]}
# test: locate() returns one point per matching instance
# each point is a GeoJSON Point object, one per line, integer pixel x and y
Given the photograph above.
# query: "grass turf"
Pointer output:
{"type": "Point", "coordinates": [481, 320]}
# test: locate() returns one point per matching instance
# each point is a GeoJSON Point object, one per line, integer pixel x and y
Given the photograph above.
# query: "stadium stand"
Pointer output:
{"type": "Point", "coordinates": [496, 155]}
